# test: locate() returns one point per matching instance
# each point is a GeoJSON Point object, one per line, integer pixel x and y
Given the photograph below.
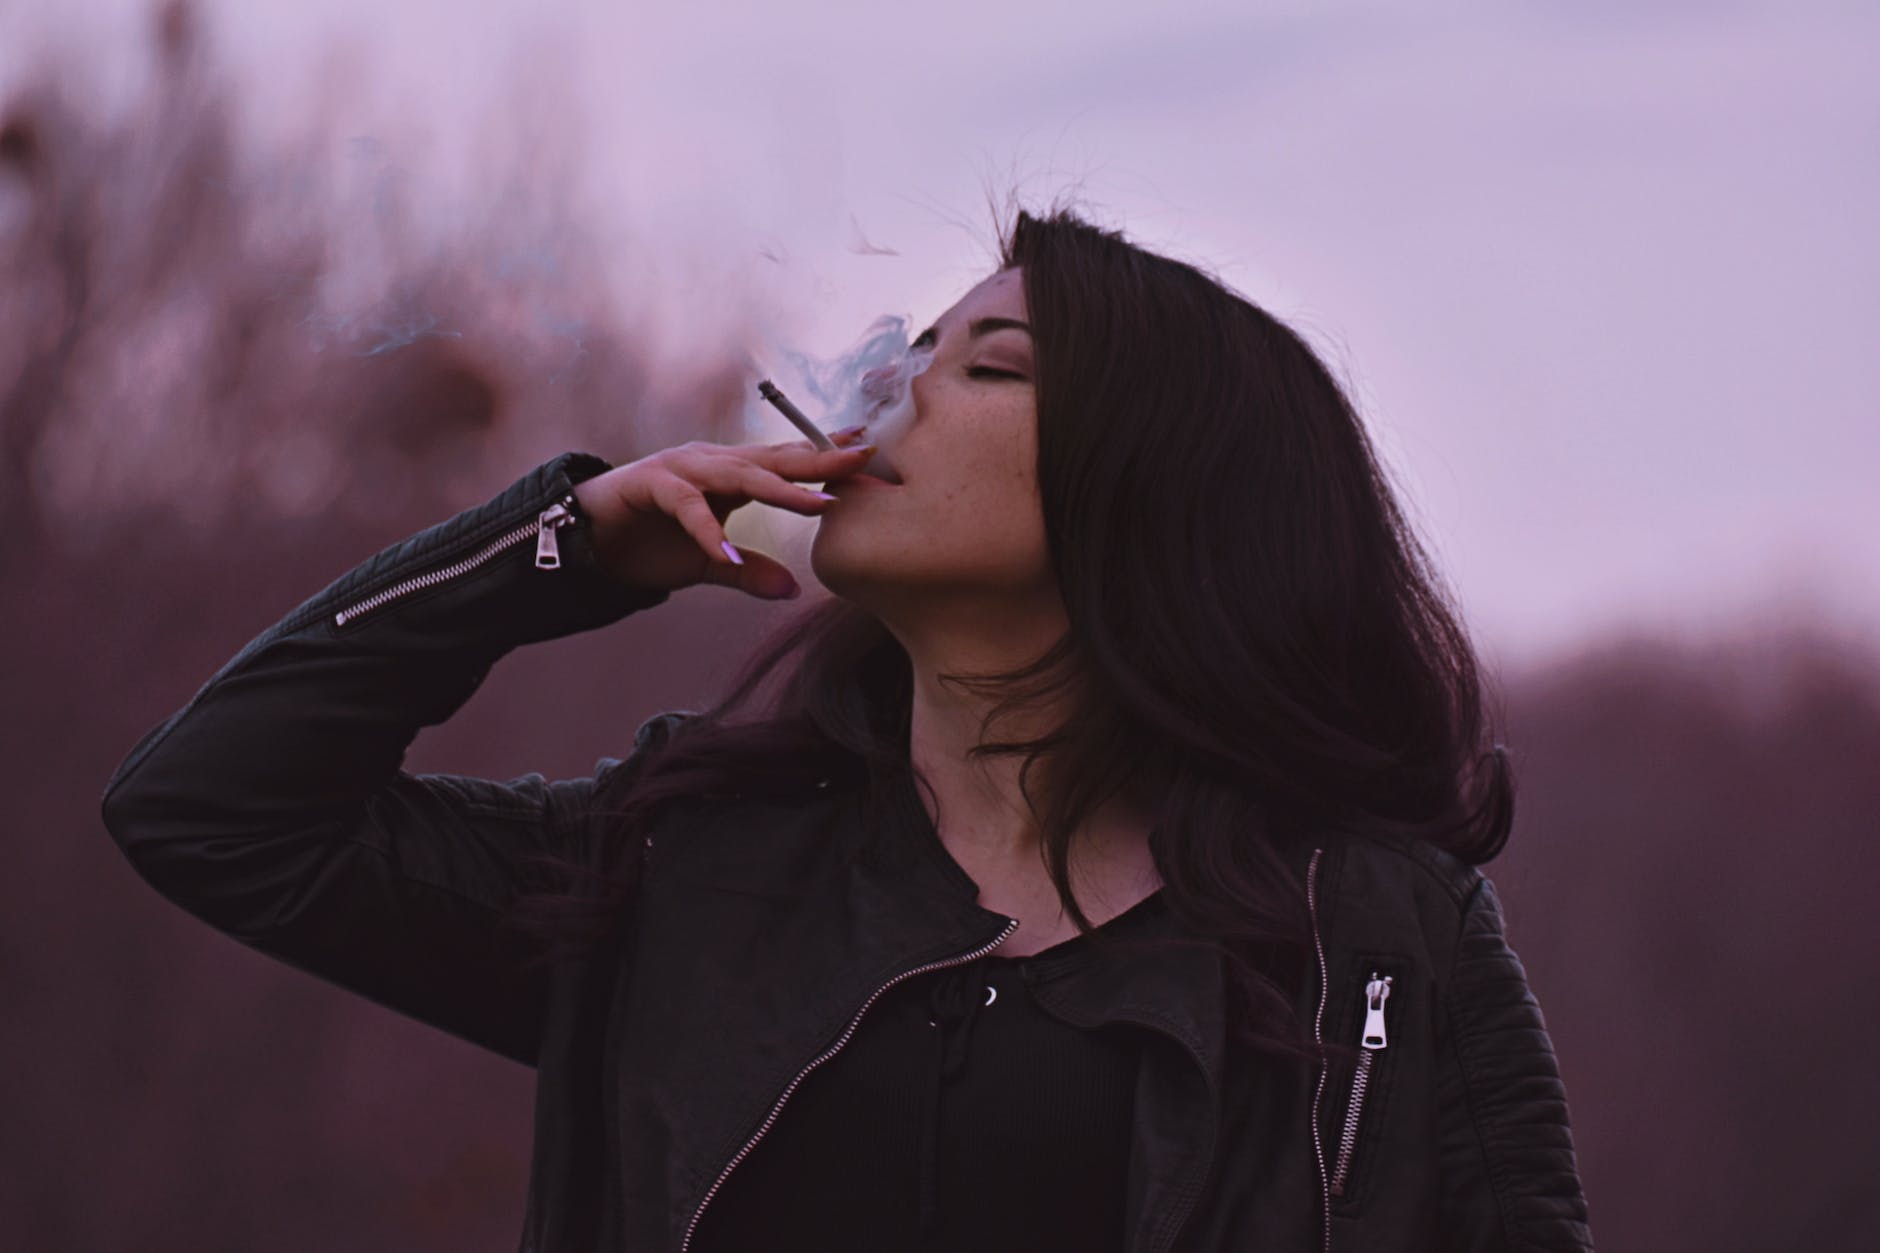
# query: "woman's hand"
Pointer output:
{"type": "Point", "coordinates": [658, 523]}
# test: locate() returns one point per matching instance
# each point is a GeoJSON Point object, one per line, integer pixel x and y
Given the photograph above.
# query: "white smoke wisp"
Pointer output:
{"type": "Point", "coordinates": [870, 385]}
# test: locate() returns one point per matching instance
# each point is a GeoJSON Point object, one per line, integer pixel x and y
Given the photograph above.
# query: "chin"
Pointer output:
{"type": "Point", "coordinates": [850, 568]}
{"type": "Point", "coordinates": [836, 569]}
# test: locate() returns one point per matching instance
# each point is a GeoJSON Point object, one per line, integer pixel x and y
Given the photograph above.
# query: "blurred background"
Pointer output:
{"type": "Point", "coordinates": [282, 282]}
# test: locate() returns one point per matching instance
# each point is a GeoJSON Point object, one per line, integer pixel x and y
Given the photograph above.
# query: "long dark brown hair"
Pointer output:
{"type": "Point", "coordinates": [1258, 644]}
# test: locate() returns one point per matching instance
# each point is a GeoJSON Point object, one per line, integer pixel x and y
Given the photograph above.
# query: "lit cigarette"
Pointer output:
{"type": "Point", "coordinates": [768, 390]}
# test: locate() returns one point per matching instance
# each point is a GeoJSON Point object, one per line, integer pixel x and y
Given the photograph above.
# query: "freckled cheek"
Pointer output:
{"type": "Point", "coordinates": [994, 485]}
{"type": "Point", "coordinates": [973, 441]}
{"type": "Point", "coordinates": [986, 452]}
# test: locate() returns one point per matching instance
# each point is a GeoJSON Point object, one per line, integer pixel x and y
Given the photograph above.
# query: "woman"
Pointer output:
{"type": "Point", "coordinates": [1196, 957]}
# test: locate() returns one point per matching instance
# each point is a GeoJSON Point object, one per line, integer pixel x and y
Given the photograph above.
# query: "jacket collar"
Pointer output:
{"type": "Point", "coordinates": [1174, 989]}
{"type": "Point", "coordinates": [879, 906]}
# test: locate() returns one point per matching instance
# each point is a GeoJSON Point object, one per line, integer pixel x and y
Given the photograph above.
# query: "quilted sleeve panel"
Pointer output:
{"type": "Point", "coordinates": [1510, 1180]}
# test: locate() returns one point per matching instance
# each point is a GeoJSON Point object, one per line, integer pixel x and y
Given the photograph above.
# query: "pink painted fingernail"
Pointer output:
{"type": "Point", "coordinates": [731, 552]}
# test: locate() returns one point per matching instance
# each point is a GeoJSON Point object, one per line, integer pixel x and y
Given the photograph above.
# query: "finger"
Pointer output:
{"type": "Point", "coordinates": [761, 575]}
{"type": "Point", "coordinates": [687, 506]}
{"type": "Point", "coordinates": [770, 488]}
{"type": "Point", "coordinates": [700, 462]}
{"type": "Point", "coordinates": [812, 464]}
{"type": "Point", "coordinates": [729, 482]}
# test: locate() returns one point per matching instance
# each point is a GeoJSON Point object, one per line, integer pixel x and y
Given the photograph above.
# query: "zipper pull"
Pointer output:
{"type": "Point", "coordinates": [547, 551]}
{"type": "Point", "coordinates": [1376, 992]}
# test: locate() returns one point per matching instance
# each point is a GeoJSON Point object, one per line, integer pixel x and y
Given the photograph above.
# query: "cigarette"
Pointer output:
{"type": "Point", "coordinates": [768, 390]}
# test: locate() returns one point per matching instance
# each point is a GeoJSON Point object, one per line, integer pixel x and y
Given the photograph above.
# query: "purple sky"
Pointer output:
{"type": "Point", "coordinates": [1605, 281]}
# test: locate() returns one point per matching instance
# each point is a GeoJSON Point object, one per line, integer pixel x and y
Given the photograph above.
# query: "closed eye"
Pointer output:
{"type": "Point", "coordinates": [986, 371]}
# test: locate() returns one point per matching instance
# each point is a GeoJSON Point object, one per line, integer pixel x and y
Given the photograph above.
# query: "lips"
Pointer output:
{"type": "Point", "coordinates": [867, 482]}
{"type": "Point", "coordinates": [868, 477]}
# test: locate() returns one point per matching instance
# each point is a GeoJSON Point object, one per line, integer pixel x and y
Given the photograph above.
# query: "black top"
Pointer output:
{"type": "Point", "coordinates": [959, 1116]}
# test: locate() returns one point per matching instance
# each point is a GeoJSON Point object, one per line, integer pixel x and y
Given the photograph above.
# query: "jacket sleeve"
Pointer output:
{"type": "Point", "coordinates": [274, 805]}
{"type": "Point", "coordinates": [1510, 1181]}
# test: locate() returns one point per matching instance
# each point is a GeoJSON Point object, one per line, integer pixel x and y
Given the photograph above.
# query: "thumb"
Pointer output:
{"type": "Point", "coordinates": [761, 575]}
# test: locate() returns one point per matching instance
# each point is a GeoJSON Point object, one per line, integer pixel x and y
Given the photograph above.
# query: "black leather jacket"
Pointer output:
{"type": "Point", "coordinates": [274, 807]}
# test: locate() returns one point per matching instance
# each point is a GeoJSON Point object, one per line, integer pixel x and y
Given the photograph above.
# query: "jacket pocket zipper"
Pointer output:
{"type": "Point", "coordinates": [547, 557]}
{"type": "Point", "coordinates": [1374, 1041]}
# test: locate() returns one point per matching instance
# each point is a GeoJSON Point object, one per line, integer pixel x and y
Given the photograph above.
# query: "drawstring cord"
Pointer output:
{"type": "Point", "coordinates": [954, 1002]}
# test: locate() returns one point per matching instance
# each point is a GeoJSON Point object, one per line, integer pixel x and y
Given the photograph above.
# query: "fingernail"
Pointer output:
{"type": "Point", "coordinates": [731, 552]}
{"type": "Point", "coordinates": [823, 495]}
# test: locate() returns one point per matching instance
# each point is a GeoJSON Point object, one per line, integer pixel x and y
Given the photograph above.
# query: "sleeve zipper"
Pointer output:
{"type": "Point", "coordinates": [547, 557]}
{"type": "Point", "coordinates": [1376, 992]}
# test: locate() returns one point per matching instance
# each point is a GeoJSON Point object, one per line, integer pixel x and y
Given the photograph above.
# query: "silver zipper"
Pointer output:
{"type": "Point", "coordinates": [831, 1051]}
{"type": "Point", "coordinates": [547, 557]}
{"type": "Point", "coordinates": [1376, 992]}
{"type": "Point", "coordinates": [1318, 1146]}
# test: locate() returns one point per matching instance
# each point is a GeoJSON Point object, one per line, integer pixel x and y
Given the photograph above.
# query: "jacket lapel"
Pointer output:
{"type": "Point", "coordinates": [1177, 994]}
{"type": "Point", "coordinates": [798, 919]}
{"type": "Point", "coordinates": [794, 933]}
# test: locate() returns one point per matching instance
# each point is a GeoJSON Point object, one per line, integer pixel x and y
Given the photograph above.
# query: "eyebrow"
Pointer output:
{"type": "Point", "coordinates": [978, 327]}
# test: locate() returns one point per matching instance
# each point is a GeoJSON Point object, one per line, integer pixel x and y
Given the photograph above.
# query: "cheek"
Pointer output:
{"type": "Point", "coordinates": [1004, 459]}
{"type": "Point", "coordinates": [992, 505]}
{"type": "Point", "coordinates": [987, 487]}
{"type": "Point", "coordinates": [1005, 487]}
{"type": "Point", "coordinates": [979, 435]}
{"type": "Point", "coordinates": [974, 452]}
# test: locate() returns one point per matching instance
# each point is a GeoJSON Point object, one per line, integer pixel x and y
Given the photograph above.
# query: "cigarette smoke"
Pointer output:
{"type": "Point", "coordinates": [871, 384]}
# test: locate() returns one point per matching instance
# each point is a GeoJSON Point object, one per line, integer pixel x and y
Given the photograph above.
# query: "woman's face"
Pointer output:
{"type": "Point", "coordinates": [965, 525]}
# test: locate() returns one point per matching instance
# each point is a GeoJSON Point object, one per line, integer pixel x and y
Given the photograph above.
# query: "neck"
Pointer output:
{"type": "Point", "coordinates": [981, 812]}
